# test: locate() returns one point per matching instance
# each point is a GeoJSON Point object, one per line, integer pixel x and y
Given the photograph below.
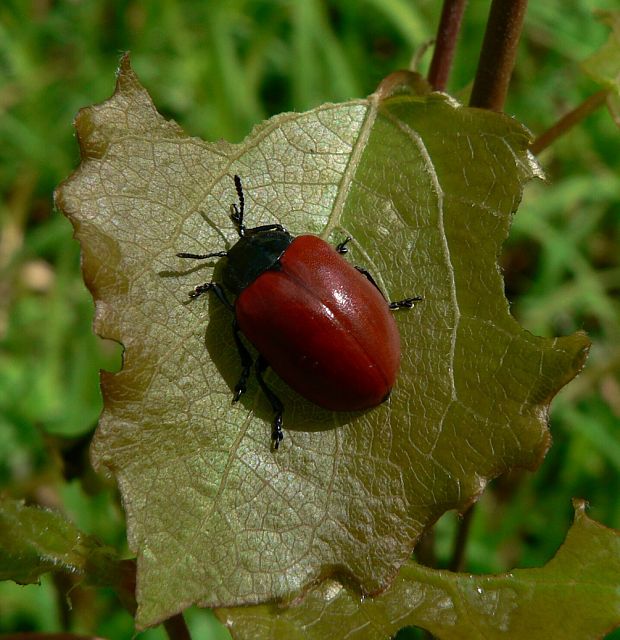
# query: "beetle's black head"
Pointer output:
{"type": "Point", "coordinates": [257, 251]}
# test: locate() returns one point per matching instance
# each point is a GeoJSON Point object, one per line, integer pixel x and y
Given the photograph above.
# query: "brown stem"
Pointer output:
{"type": "Point", "coordinates": [445, 43]}
{"type": "Point", "coordinates": [425, 549]}
{"type": "Point", "coordinates": [176, 628]}
{"type": "Point", "coordinates": [458, 554]}
{"type": "Point", "coordinates": [126, 585]}
{"type": "Point", "coordinates": [63, 583]}
{"type": "Point", "coordinates": [498, 54]}
{"type": "Point", "coordinates": [569, 121]}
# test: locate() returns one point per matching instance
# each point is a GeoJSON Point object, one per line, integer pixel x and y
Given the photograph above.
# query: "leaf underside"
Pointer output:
{"type": "Point", "coordinates": [34, 541]}
{"type": "Point", "coordinates": [426, 188]}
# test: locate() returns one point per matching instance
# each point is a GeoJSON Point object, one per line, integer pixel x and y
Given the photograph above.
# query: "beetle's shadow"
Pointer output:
{"type": "Point", "coordinates": [299, 414]}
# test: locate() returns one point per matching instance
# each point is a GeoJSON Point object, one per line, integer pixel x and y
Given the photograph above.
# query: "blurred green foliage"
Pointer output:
{"type": "Point", "coordinates": [218, 68]}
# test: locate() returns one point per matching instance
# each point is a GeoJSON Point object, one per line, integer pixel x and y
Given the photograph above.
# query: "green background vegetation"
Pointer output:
{"type": "Point", "coordinates": [218, 68]}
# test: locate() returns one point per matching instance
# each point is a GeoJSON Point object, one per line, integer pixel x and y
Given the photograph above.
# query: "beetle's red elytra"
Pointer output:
{"type": "Point", "coordinates": [322, 327]}
{"type": "Point", "coordinates": [321, 324]}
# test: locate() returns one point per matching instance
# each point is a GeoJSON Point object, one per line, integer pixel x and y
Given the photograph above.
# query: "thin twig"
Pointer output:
{"type": "Point", "coordinates": [569, 121]}
{"type": "Point", "coordinates": [498, 54]}
{"type": "Point", "coordinates": [445, 43]}
{"type": "Point", "coordinates": [458, 554]}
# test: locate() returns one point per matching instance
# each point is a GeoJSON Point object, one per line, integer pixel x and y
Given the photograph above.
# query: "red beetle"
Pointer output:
{"type": "Point", "coordinates": [322, 325]}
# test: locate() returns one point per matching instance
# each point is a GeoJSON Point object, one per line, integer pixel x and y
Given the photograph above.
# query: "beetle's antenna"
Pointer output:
{"type": "Point", "coordinates": [237, 212]}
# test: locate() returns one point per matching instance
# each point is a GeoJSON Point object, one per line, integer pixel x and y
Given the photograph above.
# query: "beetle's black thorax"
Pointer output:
{"type": "Point", "coordinates": [253, 254]}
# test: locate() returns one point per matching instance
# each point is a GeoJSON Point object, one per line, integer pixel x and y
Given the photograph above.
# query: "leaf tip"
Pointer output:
{"type": "Point", "coordinates": [124, 64]}
{"type": "Point", "coordinates": [580, 505]}
{"type": "Point", "coordinates": [126, 78]}
{"type": "Point", "coordinates": [92, 145]}
{"type": "Point", "coordinates": [582, 349]}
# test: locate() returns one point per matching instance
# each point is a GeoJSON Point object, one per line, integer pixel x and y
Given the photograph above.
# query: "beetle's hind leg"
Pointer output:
{"type": "Point", "coordinates": [407, 303]}
{"type": "Point", "coordinates": [246, 363]}
{"type": "Point", "coordinates": [276, 404]}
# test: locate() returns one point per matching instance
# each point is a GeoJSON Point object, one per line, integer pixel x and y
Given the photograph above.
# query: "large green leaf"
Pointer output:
{"type": "Point", "coordinates": [574, 597]}
{"type": "Point", "coordinates": [426, 188]}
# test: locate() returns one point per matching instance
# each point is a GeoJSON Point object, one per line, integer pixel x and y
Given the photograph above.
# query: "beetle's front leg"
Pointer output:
{"type": "Point", "coordinates": [217, 290]}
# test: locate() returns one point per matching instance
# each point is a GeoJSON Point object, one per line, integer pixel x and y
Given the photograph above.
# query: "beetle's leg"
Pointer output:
{"type": "Point", "coordinates": [203, 256]}
{"type": "Point", "coordinates": [342, 246]}
{"type": "Point", "coordinates": [217, 290]}
{"type": "Point", "coordinates": [407, 303]}
{"type": "Point", "coordinates": [246, 363]}
{"type": "Point", "coordinates": [276, 403]}
{"type": "Point", "coordinates": [244, 354]}
{"type": "Point", "coordinates": [370, 279]}
{"type": "Point", "coordinates": [267, 227]}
